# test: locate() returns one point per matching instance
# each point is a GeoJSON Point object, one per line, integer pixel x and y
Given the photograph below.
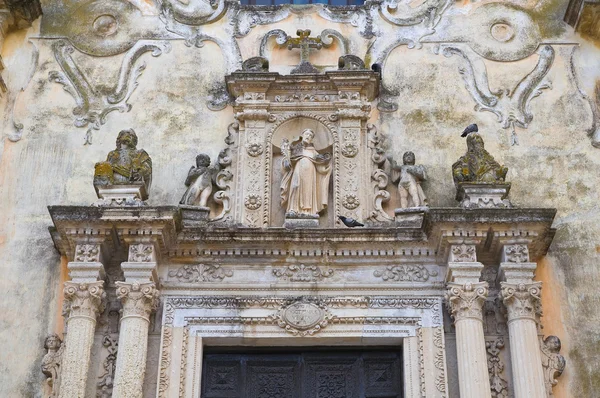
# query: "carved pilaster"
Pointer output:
{"type": "Point", "coordinates": [522, 300]}
{"type": "Point", "coordinates": [139, 300]}
{"type": "Point", "coordinates": [83, 302]}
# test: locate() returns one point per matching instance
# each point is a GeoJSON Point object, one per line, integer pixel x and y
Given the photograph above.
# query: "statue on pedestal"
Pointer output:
{"type": "Point", "coordinates": [199, 182]}
{"type": "Point", "coordinates": [477, 165]}
{"type": "Point", "coordinates": [409, 177]}
{"type": "Point", "coordinates": [126, 165]}
{"type": "Point", "coordinates": [304, 186]}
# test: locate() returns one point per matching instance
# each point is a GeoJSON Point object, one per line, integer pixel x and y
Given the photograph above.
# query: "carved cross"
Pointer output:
{"type": "Point", "coordinates": [304, 42]}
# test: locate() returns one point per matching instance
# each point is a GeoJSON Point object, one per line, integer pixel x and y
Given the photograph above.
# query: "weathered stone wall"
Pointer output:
{"type": "Point", "coordinates": [45, 162]}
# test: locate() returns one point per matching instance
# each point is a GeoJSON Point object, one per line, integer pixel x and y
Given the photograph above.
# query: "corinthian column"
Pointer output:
{"type": "Point", "coordinates": [139, 297]}
{"type": "Point", "coordinates": [521, 297]}
{"type": "Point", "coordinates": [465, 298]}
{"type": "Point", "coordinates": [84, 300]}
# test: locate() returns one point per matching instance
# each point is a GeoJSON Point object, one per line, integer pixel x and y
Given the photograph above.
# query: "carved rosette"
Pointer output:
{"type": "Point", "coordinates": [522, 300]}
{"type": "Point", "coordinates": [138, 299]}
{"type": "Point", "coordinates": [85, 300]}
{"type": "Point", "coordinates": [466, 301]}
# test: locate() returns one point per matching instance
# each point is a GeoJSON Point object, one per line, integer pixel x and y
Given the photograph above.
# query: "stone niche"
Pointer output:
{"type": "Point", "coordinates": [270, 107]}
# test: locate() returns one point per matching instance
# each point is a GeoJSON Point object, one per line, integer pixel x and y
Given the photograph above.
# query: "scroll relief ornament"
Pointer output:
{"type": "Point", "coordinates": [200, 273]}
{"type": "Point", "coordinates": [405, 273]}
{"type": "Point", "coordinates": [141, 253]}
{"type": "Point", "coordinates": [105, 385]}
{"type": "Point", "coordinates": [94, 103]}
{"type": "Point", "coordinates": [87, 253]}
{"type": "Point", "coordinates": [302, 318]}
{"type": "Point", "coordinates": [516, 253]}
{"type": "Point", "coordinates": [498, 384]}
{"type": "Point", "coordinates": [302, 273]}
{"type": "Point", "coordinates": [463, 253]}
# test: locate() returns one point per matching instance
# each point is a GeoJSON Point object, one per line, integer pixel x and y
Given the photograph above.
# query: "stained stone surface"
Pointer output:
{"type": "Point", "coordinates": [158, 74]}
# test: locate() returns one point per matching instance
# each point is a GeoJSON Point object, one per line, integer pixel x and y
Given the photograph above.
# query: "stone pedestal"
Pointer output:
{"type": "Point", "coordinates": [139, 300]}
{"type": "Point", "coordinates": [84, 300]}
{"type": "Point", "coordinates": [121, 195]}
{"type": "Point", "coordinates": [410, 218]}
{"type": "Point", "coordinates": [293, 220]}
{"type": "Point", "coordinates": [483, 195]}
{"type": "Point", "coordinates": [194, 216]}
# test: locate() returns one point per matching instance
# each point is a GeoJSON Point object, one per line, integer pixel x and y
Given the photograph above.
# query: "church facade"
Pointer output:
{"type": "Point", "coordinates": [253, 199]}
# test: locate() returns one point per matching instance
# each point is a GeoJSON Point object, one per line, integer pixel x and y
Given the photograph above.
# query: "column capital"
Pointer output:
{"type": "Point", "coordinates": [523, 300]}
{"type": "Point", "coordinates": [83, 299]}
{"type": "Point", "coordinates": [466, 300]}
{"type": "Point", "coordinates": [139, 299]}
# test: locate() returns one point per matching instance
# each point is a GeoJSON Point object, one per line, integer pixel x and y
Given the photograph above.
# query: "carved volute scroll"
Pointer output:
{"type": "Point", "coordinates": [270, 107]}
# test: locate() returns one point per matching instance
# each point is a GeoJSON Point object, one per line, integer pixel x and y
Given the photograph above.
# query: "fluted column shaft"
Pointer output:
{"type": "Point", "coordinates": [523, 303]}
{"type": "Point", "coordinates": [466, 302]}
{"type": "Point", "coordinates": [139, 300]}
{"type": "Point", "coordinates": [84, 301]}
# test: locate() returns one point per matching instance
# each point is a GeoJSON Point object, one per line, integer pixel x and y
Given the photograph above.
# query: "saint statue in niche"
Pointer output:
{"type": "Point", "coordinates": [305, 183]}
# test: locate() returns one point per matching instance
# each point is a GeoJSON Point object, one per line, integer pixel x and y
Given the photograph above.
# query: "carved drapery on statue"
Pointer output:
{"type": "Point", "coordinates": [304, 186]}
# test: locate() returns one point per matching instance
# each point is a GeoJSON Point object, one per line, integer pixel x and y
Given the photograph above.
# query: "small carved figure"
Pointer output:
{"type": "Point", "coordinates": [126, 164]}
{"type": "Point", "coordinates": [304, 186]}
{"type": "Point", "coordinates": [51, 363]}
{"type": "Point", "coordinates": [477, 165]}
{"type": "Point", "coordinates": [409, 178]}
{"type": "Point", "coordinates": [552, 362]}
{"type": "Point", "coordinates": [199, 182]}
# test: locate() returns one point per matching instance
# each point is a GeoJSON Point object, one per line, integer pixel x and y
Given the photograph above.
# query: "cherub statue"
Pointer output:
{"type": "Point", "coordinates": [200, 181]}
{"type": "Point", "coordinates": [552, 362]}
{"type": "Point", "coordinates": [126, 164]}
{"type": "Point", "coordinates": [51, 363]}
{"type": "Point", "coordinates": [477, 165]}
{"type": "Point", "coordinates": [409, 178]}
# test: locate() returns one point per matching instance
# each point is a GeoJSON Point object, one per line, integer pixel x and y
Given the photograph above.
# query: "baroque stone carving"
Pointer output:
{"type": "Point", "coordinates": [51, 363]}
{"type": "Point", "coordinates": [84, 299]}
{"type": "Point", "coordinates": [463, 253]}
{"type": "Point", "coordinates": [409, 178]}
{"type": "Point", "coordinates": [92, 103]}
{"type": "Point", "coordinates": [200, 180]}
{"type": "Point", "coordinates": [87, 253]}
{"type": "Point", "coordinates": [125, 166]}
{"type": "Point", "coordinates": [200, 273]}
{"type": "Point", "coordinates": [138, 299]}
{"type": "Point", "coordinates": [350, 62]}
{"type": "Point", "coordinates": [516, 253]}
{"type": "Point", "coordinates": [302, 273]}
{"type": "Point", "coordinates": [302, 318]}
{"type": "Point", "coordinates": [141, 253]}
{"type": "Point", "coordinates": [466, 301]}
{"type": "Point", "coordinates": [552, 362]}
{"type": "Point", "coordinates": [405, 273]}
{"type": "Point", "coordinates": [522, 300]}
{"type": "Point", "coordinates": [256, 64]}
{"type": "Point", "coordinates": [105, 384]}
{"type": "Point", "coordinates": [510, 106]}
{"type": "Point", "coordinates": [498, 383]}
{"type": "Point", "coordinates": [306, 176]}
{"type": "Point", "coordinates": [351, 202]}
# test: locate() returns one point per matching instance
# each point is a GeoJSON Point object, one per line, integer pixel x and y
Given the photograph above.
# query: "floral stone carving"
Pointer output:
{"type": "Point", "coordinates": [105, 385]}
{"type": "Point", "coordinates": [405, 273]}
{"type": "Point", "coordinates": [200, 273]}
{"type": "Point", "coordinates": [302, 273]}
{"type": "Point", "coordinates": [466, 301]}
{"type": "Point", "coordinates": [126, 175]}
{"type": "Point", "coordinates": [498, 384]}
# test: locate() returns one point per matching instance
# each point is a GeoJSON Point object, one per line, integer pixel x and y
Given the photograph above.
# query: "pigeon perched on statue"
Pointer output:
{"type": "Point", "coordinates": [350, 222]}
{"type": "Point", "coordinates": [471, 128]}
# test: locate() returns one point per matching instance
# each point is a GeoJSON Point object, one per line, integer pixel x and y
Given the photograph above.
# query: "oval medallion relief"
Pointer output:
{"type": "Point", "coordinates": [303, 316]}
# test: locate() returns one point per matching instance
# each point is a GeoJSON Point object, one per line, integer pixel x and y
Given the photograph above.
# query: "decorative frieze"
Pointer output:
{"type": "Point", "coordinates": [522, 300]}
{"type": "Point", "coordinates": [405, 273]}
{"type": "Point", "coordinates": [196, 273]}
{"type": "Point", "coordinates": [302, 273]}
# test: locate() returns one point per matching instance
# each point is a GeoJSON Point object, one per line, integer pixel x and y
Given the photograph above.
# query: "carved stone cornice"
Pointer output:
{"type": "Point", "coordinates": [522, 300]}
{"type": "Point", "coordinates": [139, 299]}
{"type": "Point", "coordinates": [84, 300]}
{"type": "Point", "coordinates": [465, 301]}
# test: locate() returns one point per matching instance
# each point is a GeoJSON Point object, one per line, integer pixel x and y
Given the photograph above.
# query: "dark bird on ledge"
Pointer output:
{"type": "Point", "coordinates": [471, 128]}
{"type": "Point", "coordinates": [350, 222]}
